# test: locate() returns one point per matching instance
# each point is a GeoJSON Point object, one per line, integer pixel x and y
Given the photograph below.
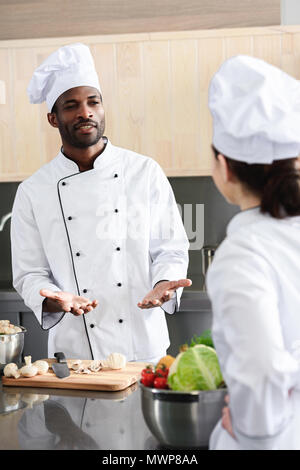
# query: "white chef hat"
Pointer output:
{"type": "Point", "coordinates": [68, 67]}
{"type": "Point", "coordinates": [256, 111]}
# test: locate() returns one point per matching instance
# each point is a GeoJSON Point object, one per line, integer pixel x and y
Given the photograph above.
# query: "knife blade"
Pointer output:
{"type": "Point", "coordinates": [60, 368]}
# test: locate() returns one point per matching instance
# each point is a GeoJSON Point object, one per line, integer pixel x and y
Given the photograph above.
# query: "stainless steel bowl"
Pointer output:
{"type": "Point", "coordinates": [182, 419]}
{"type": "Point", "coordinates": [11, 347]}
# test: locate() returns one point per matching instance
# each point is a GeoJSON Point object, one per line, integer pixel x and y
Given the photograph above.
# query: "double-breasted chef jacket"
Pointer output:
{"type": "Point", "coordinates": [110, 233]}
{"type": "Point", "coordinates": [253, 284]}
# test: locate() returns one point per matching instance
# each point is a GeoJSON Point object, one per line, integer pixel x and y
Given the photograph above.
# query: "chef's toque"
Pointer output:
{"type": "Point", "coordinates": [68, 67]}
{"type": "Point", "coordinates": [256, 111]}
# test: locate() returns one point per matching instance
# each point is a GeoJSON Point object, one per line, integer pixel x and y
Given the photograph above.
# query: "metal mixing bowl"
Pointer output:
{"type": "Point", "coordinates": [182, 419]}
{"type": "Point", "coordinates": [11, 347]}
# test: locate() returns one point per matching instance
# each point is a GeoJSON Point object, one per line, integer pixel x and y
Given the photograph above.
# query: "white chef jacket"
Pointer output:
{"type": "Point", "coordinates": [254, 287]}
{"type": "Point", "coordinates": [110, 233]}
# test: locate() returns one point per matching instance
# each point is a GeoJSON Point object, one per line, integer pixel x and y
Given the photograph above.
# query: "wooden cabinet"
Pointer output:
{"type": "Point", "coordinates": [154, 88]}
{"type": "Point", "coordinates": [20, 19]}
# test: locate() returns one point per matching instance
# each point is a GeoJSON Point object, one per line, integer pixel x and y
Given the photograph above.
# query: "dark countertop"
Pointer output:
{"type": "Point", "coordinates": [73, 419]}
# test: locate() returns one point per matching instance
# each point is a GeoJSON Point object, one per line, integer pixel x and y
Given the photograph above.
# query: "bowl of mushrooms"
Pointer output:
{"type": "Point", "coordinates": [11, 342]}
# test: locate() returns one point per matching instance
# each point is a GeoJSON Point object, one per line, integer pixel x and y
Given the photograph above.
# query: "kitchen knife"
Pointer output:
{"type": "Point", "coordinates": [60, 368]}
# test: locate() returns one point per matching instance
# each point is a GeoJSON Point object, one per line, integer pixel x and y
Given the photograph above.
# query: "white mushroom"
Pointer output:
{"type": "Point", "coordinates": [11, 370]}
{"type": "Point", "coordinates": [27, 360]}
{"type": "Point", "coordinates": [115, 361]}
{"type": "Point", "coordinates": [42, 367]}
{"type": "Point", "coordinates": [28, 370]}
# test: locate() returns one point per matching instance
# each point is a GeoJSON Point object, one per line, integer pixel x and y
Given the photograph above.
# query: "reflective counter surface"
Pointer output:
{"type": "Point", "coordinates": [53, 419]}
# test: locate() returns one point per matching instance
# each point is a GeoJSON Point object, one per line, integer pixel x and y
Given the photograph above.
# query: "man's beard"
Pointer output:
{"type": "Point", "coordinates": [83, 141]}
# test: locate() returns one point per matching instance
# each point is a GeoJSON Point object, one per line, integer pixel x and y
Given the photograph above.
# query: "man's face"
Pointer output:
{"type": "Point", "coordinates": [79, 116]}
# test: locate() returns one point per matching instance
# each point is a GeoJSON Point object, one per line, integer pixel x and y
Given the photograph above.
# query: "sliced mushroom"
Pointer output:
{"type": "Point", "coordinates": [95, 366]}
{"type": "Point", "coordinates": [76, 365]}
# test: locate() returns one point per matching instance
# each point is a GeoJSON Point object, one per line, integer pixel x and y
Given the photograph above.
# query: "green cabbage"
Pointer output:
{"type": "Point", "coordinates": [197, 368]}
{"type": "Point", "coordinates": [204, 338]}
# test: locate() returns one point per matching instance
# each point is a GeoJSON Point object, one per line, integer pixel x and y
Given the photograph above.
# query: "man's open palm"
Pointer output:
{"type": "Point", "coordinates": [68, 302]}
{"type": "Point", "coordinates": [162, 292]}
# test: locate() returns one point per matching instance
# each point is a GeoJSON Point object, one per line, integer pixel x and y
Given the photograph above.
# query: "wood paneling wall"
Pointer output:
{"type": "Point", "coordinates": [21, 19]}
{"type": "Point", "coordinates": [154, 88]}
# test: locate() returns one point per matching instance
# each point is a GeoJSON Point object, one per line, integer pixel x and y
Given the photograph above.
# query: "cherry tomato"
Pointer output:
{"type": "Point", "coordinates": [162, 370]}
{"type": "Point", "coordinates": [147, 376]}
{"type": "Point", "coordinates": [160, 382]}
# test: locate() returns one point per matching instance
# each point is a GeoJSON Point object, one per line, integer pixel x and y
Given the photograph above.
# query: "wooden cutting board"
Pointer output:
{"type": "Point", "coordinates": [106, 379]}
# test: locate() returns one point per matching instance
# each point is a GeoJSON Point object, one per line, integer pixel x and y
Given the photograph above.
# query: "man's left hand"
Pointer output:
{"type": "Point", "coordinates": [162, 292]}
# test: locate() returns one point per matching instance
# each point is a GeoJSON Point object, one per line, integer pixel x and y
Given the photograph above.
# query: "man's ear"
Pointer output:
{"type": "Point", "coordinates": [226, 173]}
{"type": "Point", "coordinates": [52, 119]}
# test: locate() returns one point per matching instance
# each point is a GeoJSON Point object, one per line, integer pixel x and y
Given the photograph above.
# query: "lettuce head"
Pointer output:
{"type": "Point", "coordinates": [197, 368]}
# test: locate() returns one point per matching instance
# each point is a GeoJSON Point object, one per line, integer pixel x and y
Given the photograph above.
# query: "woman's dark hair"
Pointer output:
{"type": "Point", "coordinates": [277, 184]}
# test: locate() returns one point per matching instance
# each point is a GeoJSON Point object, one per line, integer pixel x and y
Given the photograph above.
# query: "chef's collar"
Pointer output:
{"type": "Point", "coordinates": [104, 158]}
{"type": "Point", "coordinates": [246, 217]}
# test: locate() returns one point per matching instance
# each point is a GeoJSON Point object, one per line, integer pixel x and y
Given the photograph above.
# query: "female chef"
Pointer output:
{"type": "Point", "coordinates": [253, 282]}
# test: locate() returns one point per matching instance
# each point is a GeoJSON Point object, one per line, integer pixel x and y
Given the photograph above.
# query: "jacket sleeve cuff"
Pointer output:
{"type": "Point", "coordinates": [49, 320]}
{"type": "Point", "coordinates": [172, 305]}
{"type": "Point", "coordinates": [35, 302]}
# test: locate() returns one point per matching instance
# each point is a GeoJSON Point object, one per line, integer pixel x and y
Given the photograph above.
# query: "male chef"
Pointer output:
{"type": "Point", "coordinates": [98, 244]}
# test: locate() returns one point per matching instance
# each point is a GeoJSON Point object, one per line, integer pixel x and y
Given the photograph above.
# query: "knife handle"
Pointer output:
{"type": "Point", "coordinates": [61, 358]}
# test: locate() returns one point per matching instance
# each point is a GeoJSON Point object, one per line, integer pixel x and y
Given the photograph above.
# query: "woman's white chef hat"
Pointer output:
{"type": "Point", "coordinates": [68, 67]}
{"type": "Point", "coordinates": [256, 111]}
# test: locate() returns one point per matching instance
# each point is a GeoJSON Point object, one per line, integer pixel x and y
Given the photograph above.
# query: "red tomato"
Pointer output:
{"type": "Point", "coordinates": [147, 376]}
{"type": "Point", "coordinates": [160, 382]}
{"type": "Point", "coordinates": [162, 371]}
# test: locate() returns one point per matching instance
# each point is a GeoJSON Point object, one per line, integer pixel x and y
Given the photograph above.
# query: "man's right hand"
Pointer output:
{"type": "Point", "coordinates": [67, 302]}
